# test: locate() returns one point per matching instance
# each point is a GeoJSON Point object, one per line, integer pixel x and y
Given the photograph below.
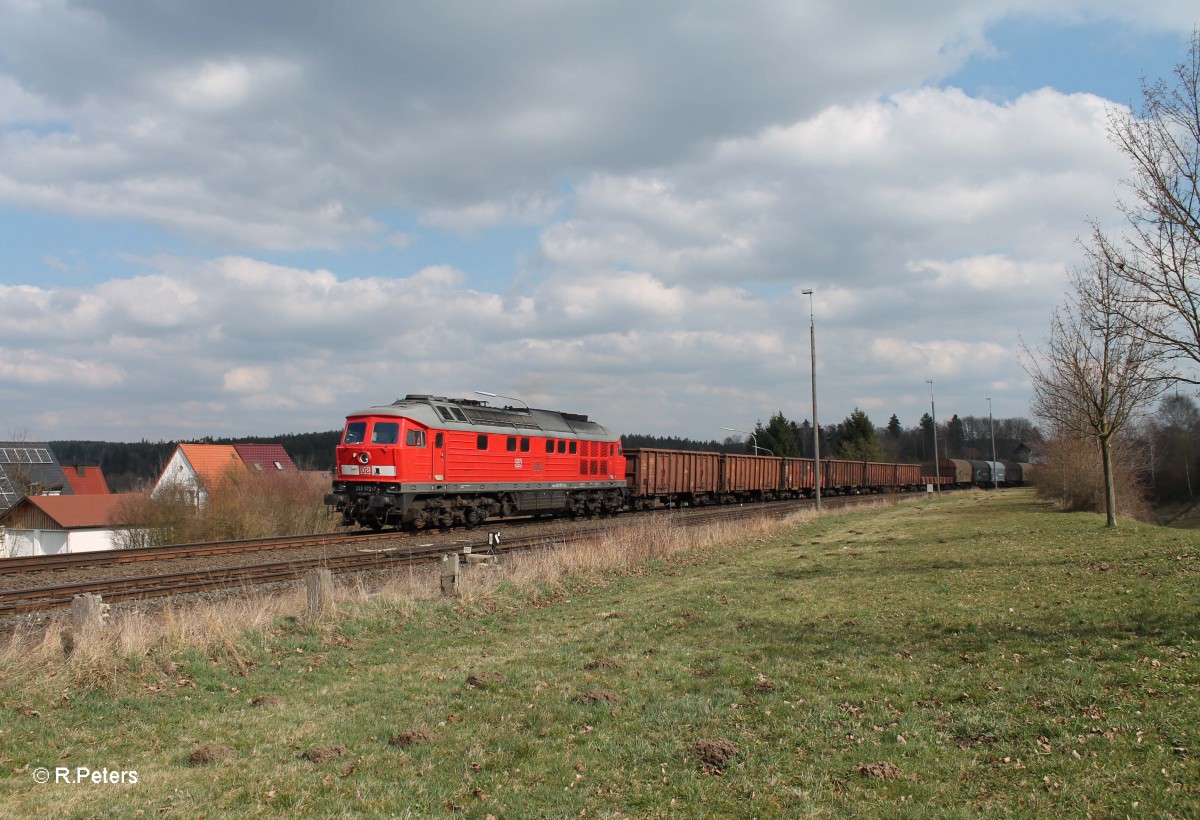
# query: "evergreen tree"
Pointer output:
{"type": "Point", "coordinates": [780, 436]}
{"type": "Point", "coordinates": [856, 438]}
{"type": "Point", "coordinates": [894, 428]}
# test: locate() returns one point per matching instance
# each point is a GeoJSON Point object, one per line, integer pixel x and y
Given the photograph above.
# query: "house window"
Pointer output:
{"type": "Point", "coordinates": [278, 465]}
{"type": "Point", "coordinates": [415, 438]}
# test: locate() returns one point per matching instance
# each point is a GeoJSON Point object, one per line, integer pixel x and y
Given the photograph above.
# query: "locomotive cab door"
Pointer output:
{"type": "Point", "coordinates": [439, 456]}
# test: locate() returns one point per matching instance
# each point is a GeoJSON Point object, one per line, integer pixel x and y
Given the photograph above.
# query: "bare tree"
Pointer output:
{"type": "Point", "coordinates": [1097, 367]}
{"type": "Point", "coordinates": [1160, 256]}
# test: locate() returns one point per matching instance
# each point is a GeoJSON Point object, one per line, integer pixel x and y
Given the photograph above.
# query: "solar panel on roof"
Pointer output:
{"type": "Point", "coordinates": [25, 455]}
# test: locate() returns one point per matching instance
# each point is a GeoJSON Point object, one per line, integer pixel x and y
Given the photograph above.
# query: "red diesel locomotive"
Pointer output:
{"type": "Point", "coordinates": [428, 461]}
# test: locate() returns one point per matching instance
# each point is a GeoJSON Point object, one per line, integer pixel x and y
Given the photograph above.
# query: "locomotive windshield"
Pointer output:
{"type": "Point", "coordinates": [355, 431]}
{"type": "Point", "coordinates": [385, 432]}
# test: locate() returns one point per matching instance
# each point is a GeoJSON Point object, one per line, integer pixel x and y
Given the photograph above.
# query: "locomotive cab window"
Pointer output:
{"type": "Point", "coordinates": [385, 432]}
{"type": "Point", "coordinates": [355, 431]}
{"type": "Point", "coordinates": [415, 438]}
{"type": "Point", "coordinates": [481, 442]}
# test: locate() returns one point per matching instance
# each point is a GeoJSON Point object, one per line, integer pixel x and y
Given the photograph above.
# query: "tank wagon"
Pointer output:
{"type": "Point", "coordinates": [427, 461]}
{"type": "Point", "coordinates": [955, 472]}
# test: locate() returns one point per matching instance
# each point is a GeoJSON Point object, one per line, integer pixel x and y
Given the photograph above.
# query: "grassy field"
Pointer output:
{"type": "Point", "coordinates": [976, 655]}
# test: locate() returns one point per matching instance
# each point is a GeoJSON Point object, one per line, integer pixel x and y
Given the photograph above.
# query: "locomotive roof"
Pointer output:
{"type": "Point", "coordinates": [469, 414]}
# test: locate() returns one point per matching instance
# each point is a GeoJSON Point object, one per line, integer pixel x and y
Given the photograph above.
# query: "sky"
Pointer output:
{"type": "Point", "coordinates": [236, 219]}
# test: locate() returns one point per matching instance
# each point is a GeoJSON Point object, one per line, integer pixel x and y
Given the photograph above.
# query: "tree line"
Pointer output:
{"type": "Point", "coordinates": [856, 438]}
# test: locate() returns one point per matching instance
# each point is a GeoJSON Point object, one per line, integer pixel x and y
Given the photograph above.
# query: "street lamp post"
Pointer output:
{"type": "Point", "coordinates": [992, 432]}
{"type": "Point", "coordinates": [753, 440]}
{"type": "Point", "coordinates": [937, 468]}
{"type": "Point", "coordinates": [498, 396]}
{"type": "Point", "coordinates": [812, 347]}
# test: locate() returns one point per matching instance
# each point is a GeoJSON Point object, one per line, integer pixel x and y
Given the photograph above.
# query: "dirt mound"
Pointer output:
{"type": "Point", "coordinates": [412, 737]}
{"type": "Point", "coordinates": [713, 753]}
{"type": "Point", "coordinates": [211, 753]}
{"type": "Point", "coordinates": [601, 696]}
{"type": "Point", "coordinates": [882, 771]}
{"type": "Point", "coordinates": [604, 663]}
{"type": "Point", "coordinates": [267, 700]}
{"type": "Point", "coordinates": [320, 754]}
{"type": "Point", "coordinates": [485, 680]}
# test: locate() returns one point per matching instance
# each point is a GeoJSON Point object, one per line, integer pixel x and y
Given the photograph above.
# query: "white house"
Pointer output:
{"type": "Point", "coordinates": [51, 524]}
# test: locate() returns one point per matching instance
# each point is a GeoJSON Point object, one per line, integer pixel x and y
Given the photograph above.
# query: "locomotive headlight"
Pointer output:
{"type": "Point", "coordinates": [364, 458]}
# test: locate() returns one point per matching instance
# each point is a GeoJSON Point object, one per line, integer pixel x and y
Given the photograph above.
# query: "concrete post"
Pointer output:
{"type": "Point", "coordinates": [450, 573]}
{"type": "Point", "coordinates": [87, 612]}
{"type": "Point", "coordinates": [319, 586]}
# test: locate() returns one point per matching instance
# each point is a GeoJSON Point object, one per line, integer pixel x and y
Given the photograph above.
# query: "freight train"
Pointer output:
{"type": "Point", "coordinates": [430, 461]}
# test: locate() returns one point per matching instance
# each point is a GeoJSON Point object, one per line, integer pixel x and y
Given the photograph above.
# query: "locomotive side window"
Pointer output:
{"type": "Point", "coordinates": [573, 447]}
{"type": "Point", "coordinates": [355, 431]}
{"type": "Point", "coordinates": [415, 438]}
{"type": "Point", "coordinates": [481, 442]}
{"type": "Point", "coordinates": [385, 432]}
{"type": "Point", "coordinates": [562, 446]}
{"type": "Point", "coordinates": [511, 444]}
{"type": "Point", "coordinates": [439, 440]}
{"type": "Point", "coordinates": [549, 445]}
{"type": "Point", "coordinates": [524, 445]}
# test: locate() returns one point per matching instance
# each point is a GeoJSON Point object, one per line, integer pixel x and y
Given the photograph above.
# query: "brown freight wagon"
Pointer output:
{"type": "Point", "coordinates": [671, 477]}
{"type": "Point", "coordinates": [746, 478]}
{"type": "Point", "coordinates": [882, 476]}
{"type": "Point", "coordinates": [799, 476]}
{"type": "Point", "coordinates": [842, 476]}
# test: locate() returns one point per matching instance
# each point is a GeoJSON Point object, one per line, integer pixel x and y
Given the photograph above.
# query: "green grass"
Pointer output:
{"type": "Point", "coordinates": [1002, 658]}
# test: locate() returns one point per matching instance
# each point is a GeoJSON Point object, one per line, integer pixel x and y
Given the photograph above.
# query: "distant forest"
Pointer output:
{"type": "Point", "coordinates": [131, 466]}
{"type": "Point", "coordinates": [631, 440]}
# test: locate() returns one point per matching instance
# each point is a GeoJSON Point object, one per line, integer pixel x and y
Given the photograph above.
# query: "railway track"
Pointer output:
{"type": "Point", "coordinates": [40, 563]}
{"type": "Point", "coordinates": [47, 597]}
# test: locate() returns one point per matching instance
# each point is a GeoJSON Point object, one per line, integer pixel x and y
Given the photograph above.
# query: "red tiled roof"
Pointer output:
{"type": "Point", "coordinates": [86, 480]}
{"type": "Point", "coordinates": [265, 456]}
{"type": "Point", "coordinates": [78, 511]}
{"type": "Point", "coordinates": [210, 461]}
